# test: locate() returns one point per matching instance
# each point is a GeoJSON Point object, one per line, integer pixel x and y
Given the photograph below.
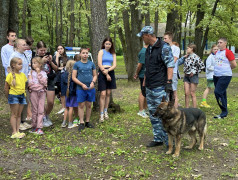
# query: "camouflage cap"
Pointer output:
{"type": "Point", "coordinates": [146, 30]}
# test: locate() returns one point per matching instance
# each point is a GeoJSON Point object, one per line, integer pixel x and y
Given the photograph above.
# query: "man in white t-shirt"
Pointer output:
{"type": "Point", "coordinates": [8, 49]}
{"type": "Point", "coordinates": [224, 63]}
{"type": "Point", "coordinates": [168, 37]}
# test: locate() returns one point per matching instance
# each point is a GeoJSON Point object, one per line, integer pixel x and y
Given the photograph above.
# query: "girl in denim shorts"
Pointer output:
{"type": "Point", "coordinates": [15, 90]}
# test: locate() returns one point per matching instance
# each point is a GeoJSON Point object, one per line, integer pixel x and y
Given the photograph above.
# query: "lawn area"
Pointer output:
{"type": "Point", "coordinates": [120, 69]}
{"type": "Point", "coordinates": [116, 149]}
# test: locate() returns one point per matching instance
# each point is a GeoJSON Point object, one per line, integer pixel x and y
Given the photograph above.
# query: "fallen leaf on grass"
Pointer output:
{"type": "Point", "coordinates": [114, 142]}
{"type": "Point", "coordinates": [196, 170]}
{"type": "Point", "coordinates": [224, 144]}
{"type": "Point", "coordinates": [128, 175]}
{"type": "Point", "coordinates": [111, 152]}
{"type": "Point", "coordinates": [196, 176]}
{"type": "Point", "coordinates": [10, 172]}
{"type": "Point", "coordinates": [215, 139]}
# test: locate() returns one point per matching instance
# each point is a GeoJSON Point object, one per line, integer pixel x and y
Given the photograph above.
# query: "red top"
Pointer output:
{"type": "Point", "coordinates": [229, 54]}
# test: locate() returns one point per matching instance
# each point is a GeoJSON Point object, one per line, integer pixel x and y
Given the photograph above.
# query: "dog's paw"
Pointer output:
{"type": "Point", "coordinates": [168, 152]}
{"type": "Point", "coordinates": [175, 155]}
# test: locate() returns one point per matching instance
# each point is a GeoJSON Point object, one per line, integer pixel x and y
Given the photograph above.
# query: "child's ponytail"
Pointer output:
{"type": "Point", "coordinates": [68, 84]}
{"type": "Point", "coordinates": [69, 68]}
{"type": "Point", "coordinates": [12, 62]}
{"type": "Point", "coordinates": [14, 78]}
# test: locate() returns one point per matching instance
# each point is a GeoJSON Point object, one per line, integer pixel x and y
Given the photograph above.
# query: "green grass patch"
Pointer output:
{"type": "Point", "coordinates": [116, 149]}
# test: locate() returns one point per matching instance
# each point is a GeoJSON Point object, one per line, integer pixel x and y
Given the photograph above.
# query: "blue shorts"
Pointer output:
{"type": "Point", "coordinates": [71, 101]}
{"type": "Point", "coordinates": [86, 95]}
{"type": "Point", "coordinates": [16, 99]}
{"type": "Point", "coordinates": [194, 79]}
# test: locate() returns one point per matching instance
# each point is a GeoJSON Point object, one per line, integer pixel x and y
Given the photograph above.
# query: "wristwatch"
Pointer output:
{"type": "Point", "coordinates": [93, 82]}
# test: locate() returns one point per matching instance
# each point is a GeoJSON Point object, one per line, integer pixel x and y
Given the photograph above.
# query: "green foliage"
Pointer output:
{"type": "Point", "coordinates": [43, 21]}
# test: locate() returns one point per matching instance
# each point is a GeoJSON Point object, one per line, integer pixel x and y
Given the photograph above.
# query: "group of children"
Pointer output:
{"type": "Point", "coordinates": [33, 80]}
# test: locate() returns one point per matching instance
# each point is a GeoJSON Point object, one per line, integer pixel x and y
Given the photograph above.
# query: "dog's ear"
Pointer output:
{"type": "Point", "coordinates": [163, 99]}
{"type": "Point", "coordinates": [171, 103]}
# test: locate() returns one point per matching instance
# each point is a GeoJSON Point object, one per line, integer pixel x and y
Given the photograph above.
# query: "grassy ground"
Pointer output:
{"type": "Point", "coordinates": [116, 149]}
{"type": "Point", "coordinates": [120, 66]}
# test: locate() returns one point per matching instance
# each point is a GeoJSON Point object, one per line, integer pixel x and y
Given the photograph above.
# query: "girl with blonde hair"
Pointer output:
{"type": "Point", "coordinates": [68, 89]}
{"type": "Point", "coordinates": [20, 47]}
{"type": "Point", "coordinates": [15, 91]}
{"type": "Point", "coordinates": [37, 88]}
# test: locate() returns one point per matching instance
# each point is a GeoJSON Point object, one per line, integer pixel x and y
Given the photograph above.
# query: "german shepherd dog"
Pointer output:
{"type": "Point", "coordinates": [179, 121]}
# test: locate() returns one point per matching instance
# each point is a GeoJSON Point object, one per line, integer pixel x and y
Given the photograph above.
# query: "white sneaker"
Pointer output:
{"type": "Point", "coordinates": [106, 115]}
{"type": "Point", "coordinates": [60, 111]}
{"type": "Point", "coordinates": [22, 127]}
{"type": "Point", "coordinates": [28, 126]}
{"type": "Point", "coordinates": [72, 126]}
{"type": "Point", "coordinates": [63, 125]}
{"type": "Point", "coordinates": [45, 122]}
{"type": "Point", "coordinates": [101, 119]}
{"type": "Point", "coordinates": [142, 114]}
{"type": "Point", "coordinates": [147, 112]}
{"type": "Point", "coordinates": [49, 121]}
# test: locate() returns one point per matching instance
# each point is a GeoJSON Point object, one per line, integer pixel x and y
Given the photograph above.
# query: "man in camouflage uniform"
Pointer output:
{"type": "Point", "coordinates": [159, 64]}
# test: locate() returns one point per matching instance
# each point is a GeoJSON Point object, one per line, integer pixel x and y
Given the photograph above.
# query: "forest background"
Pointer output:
{"type": "Point", "coordinates": [85, 23]}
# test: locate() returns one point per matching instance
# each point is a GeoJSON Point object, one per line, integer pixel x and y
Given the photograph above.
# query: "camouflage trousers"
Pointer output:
{"type": "Point", "coordinates": [154, 98]}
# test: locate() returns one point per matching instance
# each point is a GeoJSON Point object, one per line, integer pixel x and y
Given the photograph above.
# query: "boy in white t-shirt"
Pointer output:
{"type": "Point", "coordinates": [8, 49]}
{"type": "Point", "coordinates": [168, 38]}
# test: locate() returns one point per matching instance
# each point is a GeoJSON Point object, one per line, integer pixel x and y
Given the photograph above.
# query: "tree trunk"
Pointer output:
{"type": "Point", "coordinates": [80, 23]}
{"type": "Point", "coordinates": [24, 19]}
{"type": "Point", "coordinates": [172, 22]}
{"type": "Point", "coordinates": [72, 33]}
{"type": "Point", "coordinates": [57, 23]}
{"type": "Point", "coordinates": [127, 44]}
{"type": "Point", "coordinates": [185, 33]}
{"type": "Point", "coordinates": [28, 20]}
{"type": "Point", "coordinates": [115, 30]}
{"type": "Point", "coordinates": [179, 34]}
{"type": "Point", "coordinates": [61, 22]}
{"type": "Point", "coordinates": [13, 21]}
{"type": "Point", "coordinates": [123, 43]}
{"type": "Point", "coordinates": [156, 23]}
{"type": "Point", "coordinates": [100, 31]}
{"type": "Point", "coordinates": [131, 43]}
{"type": "Point", "coordinates": [51, 25]}
{"type": "Point", "coordinates": [147, 15]}
{"type": "Point", "coordinates": [135, 41]}
{"type": "Point", "coordinates": [190, 27]}
{"type": "Point", "coordinates": [207, 28]}
{"type": "Point", "coordinates": [199, 30]}
{"type": "Point", "coordinates": [89, 23]}
{"type": "Point", "coordinates": [4, 14]}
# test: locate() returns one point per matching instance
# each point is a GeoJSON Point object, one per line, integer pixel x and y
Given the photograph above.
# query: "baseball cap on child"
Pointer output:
{"type": "Point", "coordinates": [146, 30]}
